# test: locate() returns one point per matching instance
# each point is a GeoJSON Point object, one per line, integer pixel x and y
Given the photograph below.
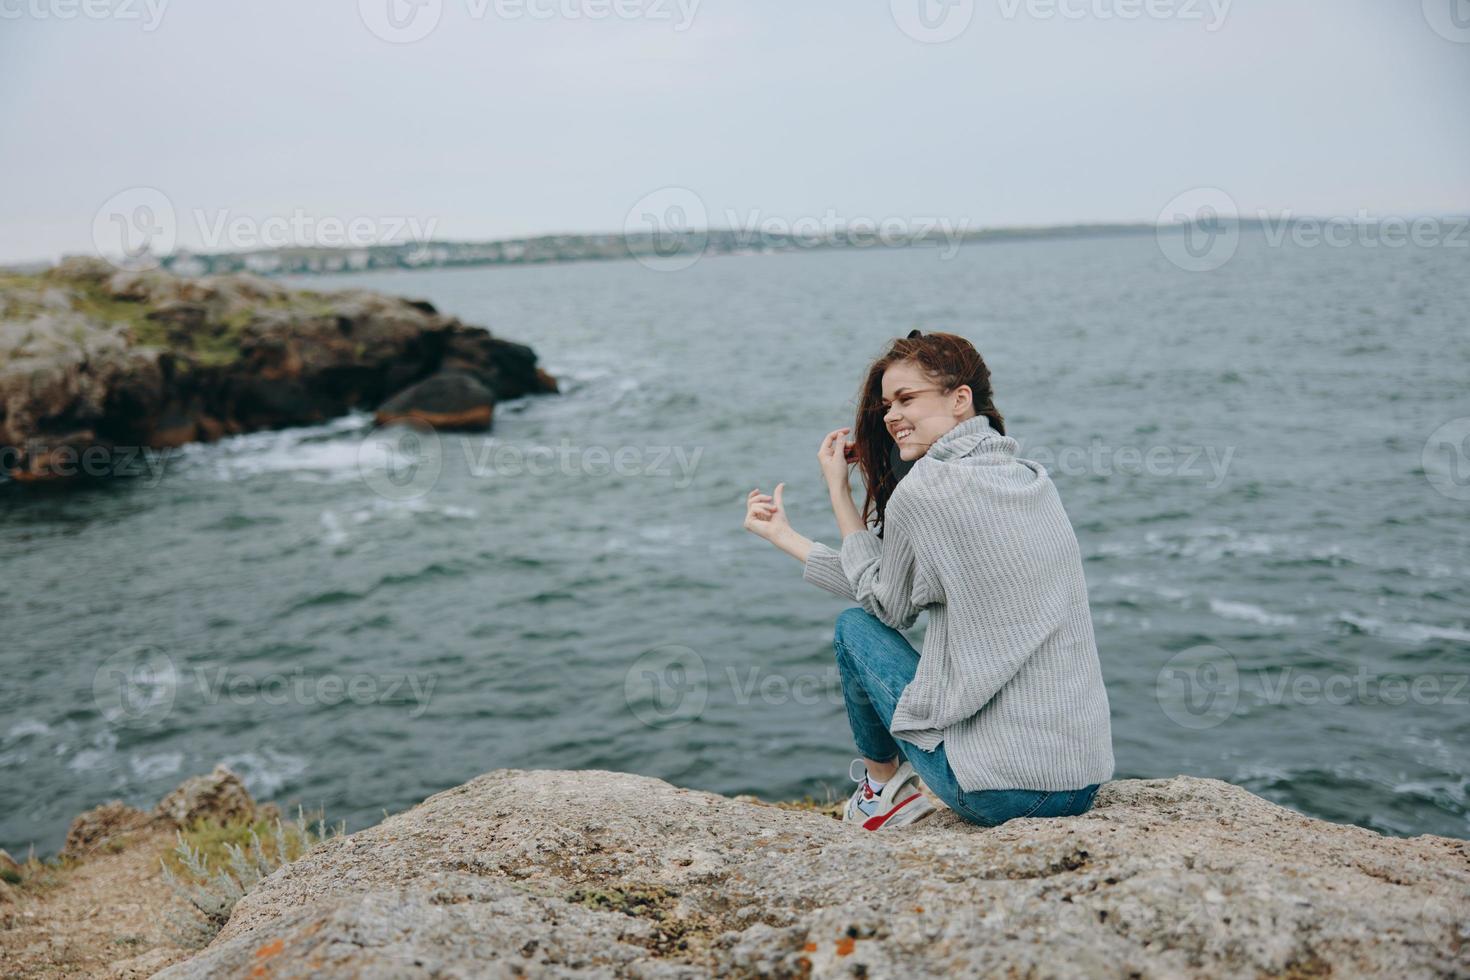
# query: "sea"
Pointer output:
{"type": "Point", "coordinates": [1267, 464]}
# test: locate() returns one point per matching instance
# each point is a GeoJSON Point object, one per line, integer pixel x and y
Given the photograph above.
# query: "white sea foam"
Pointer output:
{"type": "Point", "coordinates": [326, 453]}
{"type": "Point", "coordinates": [1415, 633]}
{"type": "Point", "coordinates": [98, 755]}
{"type": "Point", "coordinates": [1251, 614]}
{"type": "Point", "coordinates": [156, 766]}
{"type": "Point", "coordinates": [1162, 591]}
{"type": "Point", "coordinates": [266, 771]}
{"type": "Point", "coordinates": [28, 726]}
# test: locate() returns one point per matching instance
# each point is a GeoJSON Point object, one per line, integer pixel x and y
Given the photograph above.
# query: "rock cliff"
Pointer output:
{"type": "Point", "coordinates": [95, 363]}
{"type": "Point", "coordinates": [603, 874]}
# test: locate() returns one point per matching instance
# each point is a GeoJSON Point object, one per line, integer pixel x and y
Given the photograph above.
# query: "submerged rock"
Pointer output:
{"type": "Point", "coordinates": [604, 874]}
{"type": "Point", "coordinates": [96, 364]}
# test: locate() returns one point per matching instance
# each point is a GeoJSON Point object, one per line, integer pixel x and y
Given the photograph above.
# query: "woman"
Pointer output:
{"type": "Point", "coordinates": [1004, 714]}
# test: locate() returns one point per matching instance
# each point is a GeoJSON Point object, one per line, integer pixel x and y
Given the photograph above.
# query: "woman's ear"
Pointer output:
{"type": "Point", "coordinates": [964, 397]}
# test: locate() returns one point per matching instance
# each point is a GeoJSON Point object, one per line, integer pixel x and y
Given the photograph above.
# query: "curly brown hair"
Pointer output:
{"type": "Point", "coordinates": [949, 361]}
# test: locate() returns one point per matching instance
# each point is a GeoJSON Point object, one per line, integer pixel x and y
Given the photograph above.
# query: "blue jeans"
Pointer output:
{"type": "Point", "coordinates": [877, 662]}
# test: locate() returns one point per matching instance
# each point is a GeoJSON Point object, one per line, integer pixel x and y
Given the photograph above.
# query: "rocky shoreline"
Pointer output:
{"type": "Point", "coordinates": [98, 364]}
{"type": "Point", "coordinates": [547, 873]}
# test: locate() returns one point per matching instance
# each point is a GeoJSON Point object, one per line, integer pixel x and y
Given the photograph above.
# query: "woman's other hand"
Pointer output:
{"type": "Point", "coordinates": [765, 515]}
{"type": "Point", "coordinates": [834, 457]}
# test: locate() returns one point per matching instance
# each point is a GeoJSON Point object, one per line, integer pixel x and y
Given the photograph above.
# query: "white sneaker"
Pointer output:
{"type": "Point", "coordinates": [900, 804]}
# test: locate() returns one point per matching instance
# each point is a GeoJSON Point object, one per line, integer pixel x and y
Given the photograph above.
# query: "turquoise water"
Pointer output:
{"type": "Point", "coordinates": [1242, 454]}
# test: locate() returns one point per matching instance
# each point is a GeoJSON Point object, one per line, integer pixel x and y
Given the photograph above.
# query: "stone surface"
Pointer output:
{"type": "Point", "coordinates": [602, 874]}
{"type": "Point", "coordinates": [449, 400]}
{"type": "Point", "coordinates": [99, 825]}
{"type": "Point", "coordinates": [220, 794]}
{"type": "Point", "coordinates": [94, 358]}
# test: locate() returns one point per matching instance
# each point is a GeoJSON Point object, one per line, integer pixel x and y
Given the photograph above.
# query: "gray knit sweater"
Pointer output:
{"type": "Point", "coordinates": [1008, 678]}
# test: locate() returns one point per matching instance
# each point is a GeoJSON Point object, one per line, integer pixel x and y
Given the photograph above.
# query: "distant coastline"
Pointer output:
{"type": "Point", "coordinates": [540, 249]}
{"type": "Point", "coordinates": [678, 248]}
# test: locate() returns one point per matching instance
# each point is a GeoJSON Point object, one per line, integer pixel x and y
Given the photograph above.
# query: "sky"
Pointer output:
{"type": "Point", "coordinates": [221, 126]}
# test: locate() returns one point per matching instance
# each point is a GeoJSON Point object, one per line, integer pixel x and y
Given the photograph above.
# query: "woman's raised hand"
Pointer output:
{"type": "Point", "coordinates": [765, 515]}
{"type": "Point", "coordinates": [834, 458]}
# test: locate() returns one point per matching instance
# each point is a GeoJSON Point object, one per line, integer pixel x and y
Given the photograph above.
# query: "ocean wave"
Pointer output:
{"type": "Point", "coordinates": [1415, 633]}
{"type": "Point", "coordinates": [267, 771]}
{"type": "Point", "coordinates": [326, 453]}
{"type": "Point", "coordinates": [156, 766]}
{"type": "Point", "coordinates": [1251, 614]}
{"type": "Point", "coordinates": [27, 727]}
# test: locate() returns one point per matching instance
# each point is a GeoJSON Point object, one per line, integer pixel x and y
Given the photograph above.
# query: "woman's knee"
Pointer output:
{"type": "Point", "coordinates": [851, 622]}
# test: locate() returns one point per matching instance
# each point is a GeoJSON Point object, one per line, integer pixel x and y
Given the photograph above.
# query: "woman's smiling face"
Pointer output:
{"type": "Point", "coordinates": [916, 411]}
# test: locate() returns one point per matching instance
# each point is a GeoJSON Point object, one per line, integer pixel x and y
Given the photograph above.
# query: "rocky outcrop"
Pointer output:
{"type": "Point", "coordinates": [94, 361]}
{"type": "Point", "coordinates": [220, 795]}
{"type": "Point", "coordinates": [603, 874]}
